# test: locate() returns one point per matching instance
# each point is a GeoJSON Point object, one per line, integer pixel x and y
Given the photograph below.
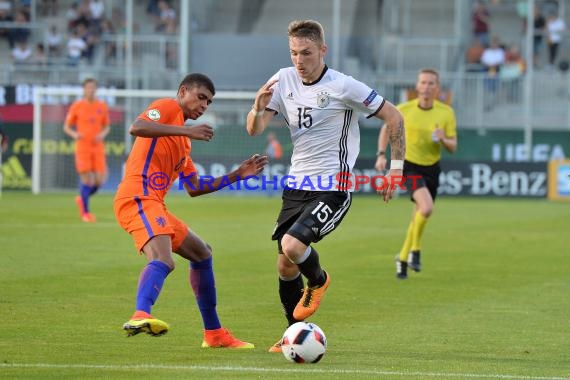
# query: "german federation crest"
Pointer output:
{"type": "Point", "coordinates": [323, 99]}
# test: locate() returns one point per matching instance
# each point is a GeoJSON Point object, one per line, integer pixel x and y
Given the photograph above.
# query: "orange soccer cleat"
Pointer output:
{"type": "Point", "coordinates": [276, 347]}
{"type": "Point", "coordinates": [88, 218]}
{"type": "Point", "coordinates": [311, 299]}
{"type": "Point", "coordinates": [223, 338]}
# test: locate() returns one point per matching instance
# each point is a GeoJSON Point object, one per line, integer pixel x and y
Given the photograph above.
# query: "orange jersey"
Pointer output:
{"type": "Point", "coordinates": [274, 150]}
{"type": "Point", "coordinates": [89, 119]}
{"type": "Point", "coordinates": [156, 162]}
{"type": "Point", "coordinates": [91, 160]}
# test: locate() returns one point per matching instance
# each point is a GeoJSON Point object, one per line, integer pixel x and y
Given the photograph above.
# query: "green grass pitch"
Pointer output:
{"type": "Point", "coordinates": [492, 300]}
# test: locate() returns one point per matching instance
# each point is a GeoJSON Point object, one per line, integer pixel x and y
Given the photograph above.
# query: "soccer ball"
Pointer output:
{"type": "Point", "coordinates": [304, 342]}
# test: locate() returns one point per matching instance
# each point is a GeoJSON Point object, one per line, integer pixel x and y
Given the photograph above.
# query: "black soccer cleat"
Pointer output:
{"type": "Point", "coordinates": [414, 261]}
{"type": "Point", "coordinates": [401, 269]}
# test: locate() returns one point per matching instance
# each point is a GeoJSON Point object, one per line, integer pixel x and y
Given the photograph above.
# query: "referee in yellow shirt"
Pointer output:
{"type": "Point", "coordinates": [430, 125]}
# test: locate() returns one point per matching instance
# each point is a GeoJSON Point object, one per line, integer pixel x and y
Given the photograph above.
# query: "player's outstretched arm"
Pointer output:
{"type": "Point", "coordinates": [145, 128]}
{"type": "Point", "coordinates": [250, 167]}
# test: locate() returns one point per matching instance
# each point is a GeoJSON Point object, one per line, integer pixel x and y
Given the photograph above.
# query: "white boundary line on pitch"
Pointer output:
{"type": "Point", "coordinates": [269, 370]}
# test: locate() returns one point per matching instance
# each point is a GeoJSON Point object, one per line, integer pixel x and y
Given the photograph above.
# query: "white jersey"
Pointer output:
{"type": "Point", "coordinates": [323, 120]}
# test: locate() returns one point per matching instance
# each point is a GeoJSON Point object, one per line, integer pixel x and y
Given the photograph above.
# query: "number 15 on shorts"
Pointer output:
{"type": "Point", "coordinates": [322, 212]}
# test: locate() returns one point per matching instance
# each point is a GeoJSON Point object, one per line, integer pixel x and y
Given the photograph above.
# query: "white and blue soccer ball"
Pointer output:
{"type": "Point", "coordinates": [304, 342]}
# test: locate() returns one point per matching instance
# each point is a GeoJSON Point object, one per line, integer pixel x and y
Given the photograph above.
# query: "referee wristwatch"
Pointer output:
{"type": "Point", "coordinates": [380, 153]}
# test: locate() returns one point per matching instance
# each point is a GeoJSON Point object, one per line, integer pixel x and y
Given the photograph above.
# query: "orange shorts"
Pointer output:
{"type": "Point", "coordinates": [146, 218]}
{"type": "Point", "coordinates": [91, 159]}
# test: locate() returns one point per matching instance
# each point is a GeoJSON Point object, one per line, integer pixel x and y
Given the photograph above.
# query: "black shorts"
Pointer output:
{"type": "Point", "coordinates": [418, 176]}
{"type": "Point", "coordinates": [317, 213]}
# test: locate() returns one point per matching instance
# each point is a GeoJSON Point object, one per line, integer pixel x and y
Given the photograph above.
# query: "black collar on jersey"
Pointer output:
{"type": "Point", "coordinates": [318, 79]}
{"type": "Point", "coordinates": [424, 109]}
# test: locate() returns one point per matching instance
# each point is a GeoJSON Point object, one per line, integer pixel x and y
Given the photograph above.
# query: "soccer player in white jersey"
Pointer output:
{"type": "Point", "coordinates": [321, 108]}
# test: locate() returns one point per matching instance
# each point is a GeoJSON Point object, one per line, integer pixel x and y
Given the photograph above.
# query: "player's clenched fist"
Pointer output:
{"type": "Point", "coordinates": [200, 132]}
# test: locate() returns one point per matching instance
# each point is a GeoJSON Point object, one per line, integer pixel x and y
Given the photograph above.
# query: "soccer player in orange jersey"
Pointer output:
{"type": "Point", "coordinates": [161, 154]}
{"type": "Point", "coordinates": [274, 148]}
{"type": "Point", "coordinates": [87, 122]}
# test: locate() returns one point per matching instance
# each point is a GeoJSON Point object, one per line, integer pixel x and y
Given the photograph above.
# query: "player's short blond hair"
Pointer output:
{"type": "Point", "coordinates": [310, 29]}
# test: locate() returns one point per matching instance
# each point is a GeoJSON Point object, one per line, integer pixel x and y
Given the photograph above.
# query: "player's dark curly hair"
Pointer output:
{"type": "Point", "coordinates": [311, 29]}
{"type": "Point", "coordinates": [197, 79]}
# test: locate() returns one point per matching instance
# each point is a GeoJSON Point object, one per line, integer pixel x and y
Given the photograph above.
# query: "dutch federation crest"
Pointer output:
{"type": "Point", "coordinates": [323, 99]}
{"type": "Point", "coordinates": [153, 114]}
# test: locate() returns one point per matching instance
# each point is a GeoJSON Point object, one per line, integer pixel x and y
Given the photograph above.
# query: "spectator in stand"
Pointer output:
{"type": "Point", "coordinates": [21, 53]}
{"type": "Point", "coordinates": [554, 26]}
{"type": "Point", "coordinates": [493, 58]}
{"type": "Point", "coordinates": [167, 20]}
{"type": "Point", "coordinates": [473, 56]}
{"type": "Point", "coordinates": [84, 11]}
{"type": "Point", "coordinates": [110, 46]}
{"type": "Point", "coordinates": [167, 24]}
{"type": "Point", "coordinates": [72, 15]}
{"type": "Point", "coordinates": [76, 14]}
{"type": "Point", "coordinates": [19, 34]}
{"type": "Point", "coordinates": [25, 6]}
{"type": "Point", "coordinates": [96, 9]}
{"type": "Point", "coordinates": [40, 57]}
{"type": "Point", "coordinates": [54, 41]}
{"type": "Point", "coordinates": [152, 8]}
{"type": "Point", "coordinates": [522, 12]}
{"type": "Point", "coordinates": [480, 18]}
{"type": "Point", "coordinates": [538, 38]}
{"type": "Point", "coordinates": [513, 57]}
{"type": "Point", "coordinates": [90, 38]}
{"type": "Point", "coordinates": [512, 72]}
{"type": "Point", "coordinates": [96, 15]}
{"type": "Point", "coordinates": [118, 20]}
{"type": "Point", "coordinates": [75, 48]}
{"type": "Point", "coordinates": [5, 16]}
